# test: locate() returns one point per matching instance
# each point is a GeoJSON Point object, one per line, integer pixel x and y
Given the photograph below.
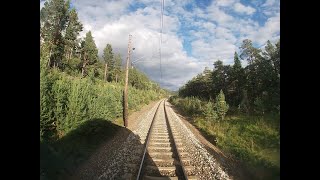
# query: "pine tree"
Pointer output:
{"type": "Point", "coordinates": [53, 20]}
{"type": "Point", "coordinates": [108, 59]}
{"type": "Point", "coordinates": [89, 52]}
{"type": "Point", "coordinates": [221, 105]}
{"type": "Point", "coordinates": [237, 63]}
{"type": "Point", "coordinates": [209, 113]}
{"type": "Point", "coordinates": [117, 66]}
{"type": "Point", "coordinates": [237, 81]}
{"type": "Point", "coordinates": [254, 59]}
{"type": "Point", "coordinates": [74, 27]}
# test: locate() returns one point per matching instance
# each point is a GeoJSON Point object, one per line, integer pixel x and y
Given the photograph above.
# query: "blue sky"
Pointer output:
{"type": "Point", "coordinates": [195, 33]}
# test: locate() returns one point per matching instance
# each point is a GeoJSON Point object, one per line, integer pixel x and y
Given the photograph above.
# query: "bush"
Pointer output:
{"type": "Point", "coordinates": [66, 101]}
{"type": "Point", "coordinates": [221, 106]}
{"type": "Point", "coordinates": [259, 106]}
{"type": "Point", "coordinates": [209, 113]}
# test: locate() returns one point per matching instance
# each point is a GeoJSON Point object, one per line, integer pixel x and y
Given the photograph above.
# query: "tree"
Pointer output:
{"type": "Point", "coordinates": [237, 82]}
{"type": "Point", "coordinates": [74, 27]}
{"type": "Point", "coordinates": [221, 106]}
{"type": "Point", "coordinates": [254, 58]}
{"type": "Point", "coordinates": [218, 77]}
{"type": "Point", "coordinates": [250, 53]}
{"type": "Point", "coordinates": [117, 66]}
{"type": "Point", "coordinates": [53, 20]}
{"type": "Point", "coordinates": [270, 77]}
{"type": "Point", "coordinates": [263, 75]}
{"type": "Point", "coordinates": [108, 59]}
{"type": "Point", "coordinates": [209, 112]}
{"type": "Point", "coordinates": [252, 88]}
{"type": "Point", "coordinates": [89, 52]}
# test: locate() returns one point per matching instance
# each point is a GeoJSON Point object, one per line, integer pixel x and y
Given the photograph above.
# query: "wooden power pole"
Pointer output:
{"type": "Point", "coordinates": [125, 92]}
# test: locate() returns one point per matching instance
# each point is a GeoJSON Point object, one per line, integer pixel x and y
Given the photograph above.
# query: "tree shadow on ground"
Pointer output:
{"type": "Point", "coordinates": [64, 155]}
{"type": "Point", "coordinates": [62, 158]}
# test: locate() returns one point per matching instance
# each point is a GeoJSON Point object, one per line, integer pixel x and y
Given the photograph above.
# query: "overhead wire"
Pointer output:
{"type": "Point", "coordinates": [160, 40]}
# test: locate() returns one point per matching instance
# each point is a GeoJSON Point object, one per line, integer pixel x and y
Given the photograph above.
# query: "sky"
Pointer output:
{"type": "Point", "coordinates": [194, 35]}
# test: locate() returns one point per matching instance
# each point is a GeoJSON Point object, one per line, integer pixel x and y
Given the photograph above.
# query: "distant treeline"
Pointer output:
{"type": "Point", "coordinates": [251, 89]}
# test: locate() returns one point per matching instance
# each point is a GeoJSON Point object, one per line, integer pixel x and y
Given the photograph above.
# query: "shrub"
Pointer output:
{"type": "Point", "coordinates": [209, 112]}
{"type": "Point", "coordinates": [66, 101]}
{"type": "Point", "coordinates": [221, 106]}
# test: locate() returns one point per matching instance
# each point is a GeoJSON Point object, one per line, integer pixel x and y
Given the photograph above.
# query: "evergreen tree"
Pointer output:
{"type": "Point", "coordinates": [108, 59]}
{"type": "Point", "coordinates": [74, 27]}
{"type": "Point", "coordinates": [237, 82]}
{"type": "Point", "coordinates": [209, 112]}
{"type": "Point", "coordinates": [252, 88]}
{"type": "Point", "coordinates": [221, 106]}
{"type": "Point", "coordinates": [117, 67]}
{"type": "Point", "coordinates": [53, 21]}
{"type": "Point", "coordinates": [89, 52]}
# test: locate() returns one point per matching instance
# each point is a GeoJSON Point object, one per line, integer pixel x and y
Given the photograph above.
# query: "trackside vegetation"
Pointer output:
{"type": "Point", "coordinates": [238, 108]}
{"type": "Point", "coordinates": [80, 92]}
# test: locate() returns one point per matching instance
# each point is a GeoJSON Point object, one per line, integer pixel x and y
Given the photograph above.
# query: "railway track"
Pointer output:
{"type": "Point", "coordinates": [163, 155]}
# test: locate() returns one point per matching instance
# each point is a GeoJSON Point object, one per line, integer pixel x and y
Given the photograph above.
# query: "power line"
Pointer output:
{"type": "Point", "coordinates": [160, 40]}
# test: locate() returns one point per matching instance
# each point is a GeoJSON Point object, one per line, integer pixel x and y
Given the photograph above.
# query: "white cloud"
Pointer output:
{"type": "Point", "coordinates": [226, 34]}
{"type": "Point", "coordinates": [212, 51]}
{"type": "Point", "coordinates": [209, 25]}
{"type": "Point", "coordinates": [240, 8]}
{"type": "Point", "coordinates": [98, 12]}
{"type": "Point", "coordinates": [271, 7]}
{"type": "Point", "coordinates": [41, 4]}
{"type": "Point", "coordinates": [269, 3]}
{"type": "Point", "coordinates": [217, 15]}
{"type": "Point", "coordinates": [225, 2]}
{"type": "Point", "coordinates": [213, 33]}
{"type": "Point", "coordinates": [270, 31]}
{"type": "Point", "coordinates": [144, 27]}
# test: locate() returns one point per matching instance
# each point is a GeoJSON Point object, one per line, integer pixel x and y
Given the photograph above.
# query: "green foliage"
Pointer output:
{"type": "Point", "coordinates": [73, 66]}
{"type": "Point", "coordinates": [46, 104]}
{"type": "Point", "coordinates": [255, 140]}
{"type": "Point", "coordinates": [74, 27]}
{"type": "Point", "coordinates": [221, 106]}
{"type": "Point", "coordinates": [66, 101]}
{"type": "Point", "coordinates": [61, 91]}
{"type": "Point", "coordinates": [209, 113]}
{"type": "Point", "coordinates": [199, 86]}
{"type": "Point", "coordinates": [191, 105]}
{"type": "Point", "coordinates": [108, 57]}
{"type": "Point", "coordinates": [59, 28]}
{"type": "Point", "coordinates": [117, 68]}
{"type": "Point", "coordinates": [260, 79]}
{"type": "Point", "coordinates": [260, 107]}
{"type": "Point", "coordinates": [89, 49]}
{"type": "Point", "coordinates": [76, 104]}
{"type": "Point", "coordinates": [139, 80]}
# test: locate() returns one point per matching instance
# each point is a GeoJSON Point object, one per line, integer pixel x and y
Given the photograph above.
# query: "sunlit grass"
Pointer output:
{"type": "Point", "coordinates": [252, 139]}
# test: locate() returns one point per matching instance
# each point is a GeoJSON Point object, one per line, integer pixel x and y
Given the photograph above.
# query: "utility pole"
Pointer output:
{"type": "Point", "coordinates": [125, 92]}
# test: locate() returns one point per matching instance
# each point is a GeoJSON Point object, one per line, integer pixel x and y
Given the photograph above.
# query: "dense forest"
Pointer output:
{"type": "Point", "coordinates": [238, 108]}
{"type": "Point", "coordinates": [251, 89]}
{"type": "Point", "coordinates": [80, 89]}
